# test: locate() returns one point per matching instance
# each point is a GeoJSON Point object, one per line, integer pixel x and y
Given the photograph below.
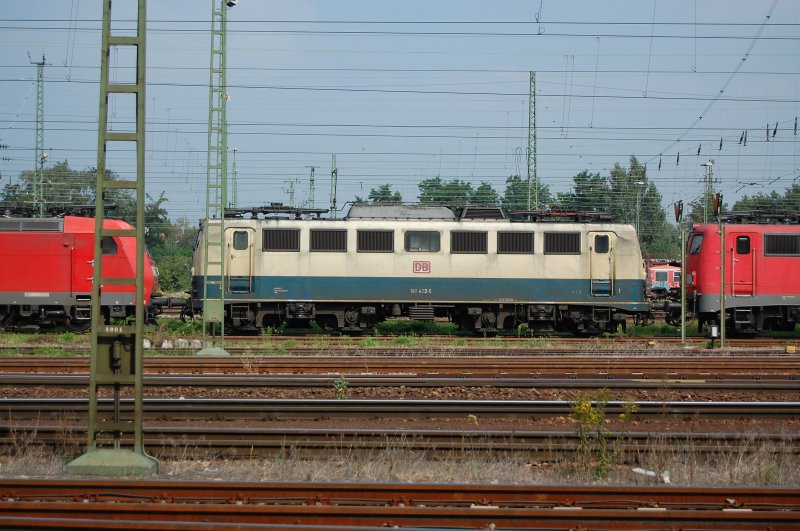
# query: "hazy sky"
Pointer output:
{"type": "Point", "coordinates": [405, 91]}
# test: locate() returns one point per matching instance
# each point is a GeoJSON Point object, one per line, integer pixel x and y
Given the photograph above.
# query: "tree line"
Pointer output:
{"type": "Point", "coordinates": [626, 193]}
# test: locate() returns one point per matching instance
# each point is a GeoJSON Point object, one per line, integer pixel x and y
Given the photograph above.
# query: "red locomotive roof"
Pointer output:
{"type": "Point", "coordinates": [79, 225]}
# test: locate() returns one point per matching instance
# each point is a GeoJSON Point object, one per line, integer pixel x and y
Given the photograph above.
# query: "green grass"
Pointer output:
{"type": "Point", "coordinates": [406, 328]}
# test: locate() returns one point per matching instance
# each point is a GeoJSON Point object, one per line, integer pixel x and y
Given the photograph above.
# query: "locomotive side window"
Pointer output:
{"type": "Point", "coordinates": [601, 243]}
{"type": "Point", "coordinates": [109, 246]}
{"type": "Point", "coordinates": [562, 243]}
{"type": "Point", "coordinates": [677, 277]}
{"type": "Point", "coordinates": [515, 242]}
{"type": "Point", "coordinates": [464, 242]}
{"type": "Point", "coordinates": [743, 245]}
{"type": "Point", "coordinates": [282, 240]}
{"type": "Point", "coordinates": [328, 240]}
{"type": "Point", "coordinates": [696, 243]}
{"type": "Point", "coordinates": [375, 241]}
{"type": "Point", "coordinates": [782, 245]}
{"type": "Point", "coordinates": [422, 241]}
{"type": "Point", "coordinates": [240, 240]}
{"type": "Point", "coordinates": [662, 276]}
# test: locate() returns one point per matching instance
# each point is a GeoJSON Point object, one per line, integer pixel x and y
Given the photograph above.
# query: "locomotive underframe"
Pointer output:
{"type": "Point", "coordinates": [753, 319]}
{"type": "Point", "coordinates": [77, 317]}
{"type": "Point", "coordinates": [481, 318]}
{"type": "Point", "coordinates": [741, 316]}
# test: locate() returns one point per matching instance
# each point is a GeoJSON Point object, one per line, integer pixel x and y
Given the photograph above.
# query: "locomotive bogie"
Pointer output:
{"type": "Point", "coordinates": [486, 275]}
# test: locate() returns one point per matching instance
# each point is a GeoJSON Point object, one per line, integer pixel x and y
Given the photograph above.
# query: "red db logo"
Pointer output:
{"type": "Point", "coordinates": [422, 267]}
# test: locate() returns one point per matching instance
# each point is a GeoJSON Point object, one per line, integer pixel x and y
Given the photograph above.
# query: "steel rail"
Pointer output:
{"type": "Point", "coordinates": [285, 409]}
{"type": "Point", "coordinates": [123, 504]}
{"type": "Point", "coordinates": [427, 365]}
{"type": "Point", "coordinates": [170, 442]}
{"type": "Point", "coordinates": [760, 383]}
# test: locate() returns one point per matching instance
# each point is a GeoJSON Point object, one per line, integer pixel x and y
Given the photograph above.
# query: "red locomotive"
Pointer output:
{"type": "Point", "coordinates": [762, 275]}
{"type": "Point", "coordinates": [46, 271]}
{"type": "Point", "coordinates": [663, 279]}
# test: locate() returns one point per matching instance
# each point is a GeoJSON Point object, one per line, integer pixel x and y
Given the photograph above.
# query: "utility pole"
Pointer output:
{"type": "Point", "coordinates": [334, 179]}
{"type": "Point", "coordinates": [639, 185]}
{"type": "Point", "coordinates": [117, 355]}
{"type": "Point", "coordinates": [40, 156]}
{"type": "Point", "coordinates": [235, 188]}
{"type": "Point", "coordinates": [216, 186]}
{"type": "Point", "coordinates": [311, 189]}
{"type": "Point", "coordinates": [532, 144]}
{"type": "Point", "coordinates": [290, 191]}
{"type": "Point", "coordinates": [709, 188]}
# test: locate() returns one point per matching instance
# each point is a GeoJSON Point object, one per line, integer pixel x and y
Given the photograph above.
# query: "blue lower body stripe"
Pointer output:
{"type": "Point", "coordinates": [627, 294]}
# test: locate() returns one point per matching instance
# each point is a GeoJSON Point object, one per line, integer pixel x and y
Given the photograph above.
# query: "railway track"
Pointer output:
{"type": "Point", "coordinates": [570, 367]}
{"type": "Point", "coordinates": [751, 383]}
{"type": "Point", "coordinates": [231, 442]}
{"type": "Point", "coordinates": [181, 505]}
{"type": "Point", "coordinates": [425, 345]}
{"type": "Point", "coordinates": [179, 409]}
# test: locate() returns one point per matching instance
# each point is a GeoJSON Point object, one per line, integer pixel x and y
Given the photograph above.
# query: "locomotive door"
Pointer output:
{"type": "Point", "coordinates": [82, 269]}
{"type": "Point", "coordinates": [602, 267]}
{"type": "Point", "coordinates": [239, 266]}
{"type": "Point", "coordinates": [742, 250]}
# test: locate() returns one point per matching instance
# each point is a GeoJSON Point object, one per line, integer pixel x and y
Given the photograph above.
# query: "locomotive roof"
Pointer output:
{"type": "Point", "coordinates": [68, 224]}
{"type": "Point", "coordinates": [400, 212]}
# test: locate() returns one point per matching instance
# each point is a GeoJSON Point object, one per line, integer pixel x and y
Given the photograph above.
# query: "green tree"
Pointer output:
{"type": "Point", "coordinates": [156, 221]}
{"type": "Point", "coordinates": [382, 194]}
{"type": "Point", "coordinates": [591, 192]}
{"type": "Point", "coordinates": [64, 186]}
{"type": "Point", "coordinates": [518, 195]}
{"type": "Point", "coordinates": [455, 193]}
{"type": "Point", "coordinates": [485, 195]}
{"type": "Point", "coordinates": [789, 201]}
{"type": "Point", "coordinates": [635, 199]}
{"type": "Point", "coordinates": [174, 256]}
{"type": "Point", "coordinates": [701, 210]}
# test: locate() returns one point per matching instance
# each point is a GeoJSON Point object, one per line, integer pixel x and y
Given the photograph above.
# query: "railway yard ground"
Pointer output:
{"type": "Point", "coordinates": [618, 415]}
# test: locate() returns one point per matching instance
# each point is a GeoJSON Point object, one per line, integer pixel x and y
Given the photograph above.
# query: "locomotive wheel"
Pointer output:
{"type": "Point", "coordinates": [187, 314]}
{"type": "Point", "coordinates": [78, 326]}
{"type": "Point", "coordinates": [643, 319]}
{"type": "Point", "coordinates": [6, 321]}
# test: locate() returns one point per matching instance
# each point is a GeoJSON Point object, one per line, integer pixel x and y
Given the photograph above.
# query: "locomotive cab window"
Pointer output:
{"type": "Point", "coordinates": [695, 244]}
{"type": "Point", "coordinates": [677, 276]}
{"type": "Point", "coordinates": [743, 245]}
{"type": "Point", "coordinates": [601, 243]}
{"type": "Point", "coordinates": [422, 241]}
{"type": "Point", "coordinates": [240, 240]}
{"type": "Point", "coordinates": [109, 246]}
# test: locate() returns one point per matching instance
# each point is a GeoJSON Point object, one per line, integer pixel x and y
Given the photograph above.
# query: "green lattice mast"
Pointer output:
{"type": "Point", "coordinates": [216, 187]}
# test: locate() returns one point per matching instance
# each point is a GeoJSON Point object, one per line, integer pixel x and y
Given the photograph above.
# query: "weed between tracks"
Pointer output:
{"type": "Point", "coordinates": [402, 460]}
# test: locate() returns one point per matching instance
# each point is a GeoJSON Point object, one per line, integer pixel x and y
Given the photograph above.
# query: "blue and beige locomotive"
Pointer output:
{"type": "Point", "coordinates": [480, 270]}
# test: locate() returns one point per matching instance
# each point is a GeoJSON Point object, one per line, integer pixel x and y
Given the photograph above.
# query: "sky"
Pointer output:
{"type": "Point", "coordinates": [405, 91]}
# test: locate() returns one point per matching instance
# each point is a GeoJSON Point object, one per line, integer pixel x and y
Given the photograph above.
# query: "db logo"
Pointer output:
{"type": "Point", "coordinates": [422, 267]}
